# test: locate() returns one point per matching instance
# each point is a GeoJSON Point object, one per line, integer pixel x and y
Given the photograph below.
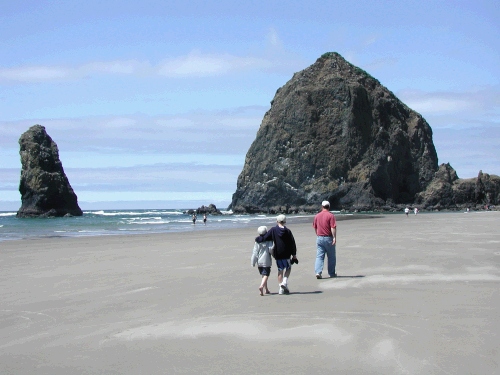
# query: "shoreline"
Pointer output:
{"type": "Point", "coordinates": [128, 223]}
{"type": "Point", "coordinates": [60, 228]}
{"type": "Point", "coordinates": [303, 221]}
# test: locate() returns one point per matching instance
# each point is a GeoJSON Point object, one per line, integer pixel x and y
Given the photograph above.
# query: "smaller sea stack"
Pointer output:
{"type": "Point", "coordinates": [44, 187]}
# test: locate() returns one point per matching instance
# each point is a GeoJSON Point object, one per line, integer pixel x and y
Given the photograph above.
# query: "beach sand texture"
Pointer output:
{"type": "Point", "coordinates": [415, 295]}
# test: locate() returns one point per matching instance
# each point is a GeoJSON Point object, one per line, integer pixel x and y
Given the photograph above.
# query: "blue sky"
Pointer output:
{"type": "Point", "coordinates": [154, 104]}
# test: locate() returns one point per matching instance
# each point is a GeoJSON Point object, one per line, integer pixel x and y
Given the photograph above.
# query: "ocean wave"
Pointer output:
{"type": "Point", "coordinates": [8, 213]}
{"type": "Point", "coordinates": [142, 218]}
{"type": "Point", "coordinates": [145, 229]}
{"type": "Point", "coordinates": [135, 213]}
{"type": "Point", "coordinates": [148, 222]}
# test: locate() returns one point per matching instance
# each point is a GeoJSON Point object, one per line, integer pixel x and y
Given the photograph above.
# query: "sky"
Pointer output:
{"type": "Point", "coordinates": [154, 104]}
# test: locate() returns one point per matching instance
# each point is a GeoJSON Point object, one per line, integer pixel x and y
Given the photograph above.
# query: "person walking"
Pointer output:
{"type": "Point", "coordinates": [261, 256]}
{"type": "Point", "coordinates": [325, 226]}
{"type": "Point", "coordinates": [285, 248]}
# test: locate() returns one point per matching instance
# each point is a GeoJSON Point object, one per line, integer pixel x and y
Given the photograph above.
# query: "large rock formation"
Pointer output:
{"type": "Point", "coordinates": [44, 187]}
{"type": "Point", "coordinates": [334, 132]}
{"type": "Point", "coordinates": [447, 191]}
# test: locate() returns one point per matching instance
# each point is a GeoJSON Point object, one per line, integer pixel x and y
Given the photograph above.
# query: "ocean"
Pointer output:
{"type": "Point", "coordinates": [114, 222]}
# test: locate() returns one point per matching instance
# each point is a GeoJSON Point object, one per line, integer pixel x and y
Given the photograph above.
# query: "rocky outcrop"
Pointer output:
{"type": "Point", "coordinates": [334, 132]}
{"type": "Point", "coordinates": [211, 209]}
{"type": "Point", "coordinates": [447, 191]}
{"type": "Point", "coordinates": [44, 187]}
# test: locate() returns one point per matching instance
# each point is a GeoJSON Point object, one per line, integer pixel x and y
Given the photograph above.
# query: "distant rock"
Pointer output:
{"type": "Point", "coordinates": [44, 187]}
{"type": "Point", "coordinates": [334, 132]}
{"type": "Point", "coordinates": [447, 191]}
{"type": "Point", "coordinates": [210, 210]}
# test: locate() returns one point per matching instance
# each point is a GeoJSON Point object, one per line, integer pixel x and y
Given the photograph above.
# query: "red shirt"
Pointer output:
{"type": "Point", "coordinates": [323, 222]}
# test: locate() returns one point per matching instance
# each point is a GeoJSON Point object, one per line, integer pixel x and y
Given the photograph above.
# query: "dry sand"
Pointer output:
{"type": "Point", "coordinates": [416, 295]}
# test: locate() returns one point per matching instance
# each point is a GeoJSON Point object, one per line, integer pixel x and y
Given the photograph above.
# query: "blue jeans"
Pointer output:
{"type": "Point", "coordinates": [324, 247]}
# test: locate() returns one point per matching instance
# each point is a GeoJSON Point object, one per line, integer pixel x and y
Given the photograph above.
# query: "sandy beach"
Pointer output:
{"type": "Point", "coordinates": [415, 295]}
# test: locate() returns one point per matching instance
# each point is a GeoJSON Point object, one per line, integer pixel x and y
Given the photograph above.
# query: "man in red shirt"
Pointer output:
{"type": "Point", "coordinates": [325, 226]}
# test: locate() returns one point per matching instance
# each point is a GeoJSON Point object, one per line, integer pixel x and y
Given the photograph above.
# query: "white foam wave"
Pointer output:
{"type": "Point", "coordinates": [133, 229]}
{"type": "Point", "coordinates": [149, 222]}
{"type": "Point", "coordinates": [134, 213]}
{"type": "Point", "coordinates": [8, 213]}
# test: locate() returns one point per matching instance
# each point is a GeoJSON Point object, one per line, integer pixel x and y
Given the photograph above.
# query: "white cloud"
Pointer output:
{"type": "Point", "coordinates": [126, 67]}
{"type": "Point", "coordinates": [273, 38]}
{"type": "Point", "coordinates": [120, 122]}
{"type": "Point", "coordinates": [194, 64]}
{"type": "Point", "coordinates": [113, 196]}
{"type": "Point", "coordinates": [34, 73]}
{"type": "Point", "coordinates": [201, 132]}
{"type": "Point", "coordinates": [197, 64]}
{"type": "Point", "coordinates": [485, 101]}
{"type": "Point", "coordinates": [466, 126]}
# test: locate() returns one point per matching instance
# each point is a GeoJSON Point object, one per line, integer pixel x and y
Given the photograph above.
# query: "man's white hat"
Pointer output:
{"type": "Point", "coordinates": [325, 203]}
{"type": "Point", "coordinates": [281, 218]}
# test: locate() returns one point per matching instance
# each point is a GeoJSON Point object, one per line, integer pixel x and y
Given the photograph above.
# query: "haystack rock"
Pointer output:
{"type": "Point", "coordinates": [334, 132]}
{"type": "Point", "coordinates": [44, 187]}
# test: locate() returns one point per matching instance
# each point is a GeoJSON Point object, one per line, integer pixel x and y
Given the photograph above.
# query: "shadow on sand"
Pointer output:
{"type": "Point", "coordinates": [289, 294]}
{"type": "Point", "coordinates": [314, 292]}
{"type": "Point", "coordinates": [345, 277]}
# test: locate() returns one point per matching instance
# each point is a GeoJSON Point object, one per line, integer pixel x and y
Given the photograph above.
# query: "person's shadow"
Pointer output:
{"type": "Point", "coordinates": [313, 292]}
{"type": "Point", "coordinates": [326, 278]}
{"type": "Point", "coordinates": [289, 294]}
{"type": "Point", "coordinates": [345, 277]}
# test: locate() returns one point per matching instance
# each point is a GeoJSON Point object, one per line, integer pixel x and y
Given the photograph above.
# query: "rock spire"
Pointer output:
{"type": "Point", "coordinates": [44, 187]}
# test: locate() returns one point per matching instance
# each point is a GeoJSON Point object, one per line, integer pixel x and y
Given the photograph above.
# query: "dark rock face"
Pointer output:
{"type": "Point", "coordinates": [211, 209]}
{"type": "Point", "coordinates": [446, 190]}
{"type": "Point", "coordinates": [334, 132]}
{"type": "Point", "coordinates": [44, 187]}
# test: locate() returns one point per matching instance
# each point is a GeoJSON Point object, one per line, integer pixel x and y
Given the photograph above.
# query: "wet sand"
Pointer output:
{"type": "Point", "coordinates": [415, 295]}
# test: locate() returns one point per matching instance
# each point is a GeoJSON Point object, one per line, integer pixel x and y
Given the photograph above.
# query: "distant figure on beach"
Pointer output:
{"type": "Point", "coordinates": [285, 248]}
{"type": "Point", "coordinates": [194, 218]}
{"type": "Point", "coordinates": [415, 210]}
{"type": "Point", "coordinates": [205, 219]}
{"type": "Point", "coordinates": [407, 211]}
{"type": "Point", "coordinates": [325, 227]}
{"type": "Point", "coordinates": [261, 256]}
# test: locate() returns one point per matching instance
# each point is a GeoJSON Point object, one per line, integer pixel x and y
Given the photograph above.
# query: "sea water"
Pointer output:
{"type": "Point", "coordinates": [113, 222]}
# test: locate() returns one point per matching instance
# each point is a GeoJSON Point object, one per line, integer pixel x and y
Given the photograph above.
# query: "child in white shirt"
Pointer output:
{"type": "Point", "coordinates": [261, 256]}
